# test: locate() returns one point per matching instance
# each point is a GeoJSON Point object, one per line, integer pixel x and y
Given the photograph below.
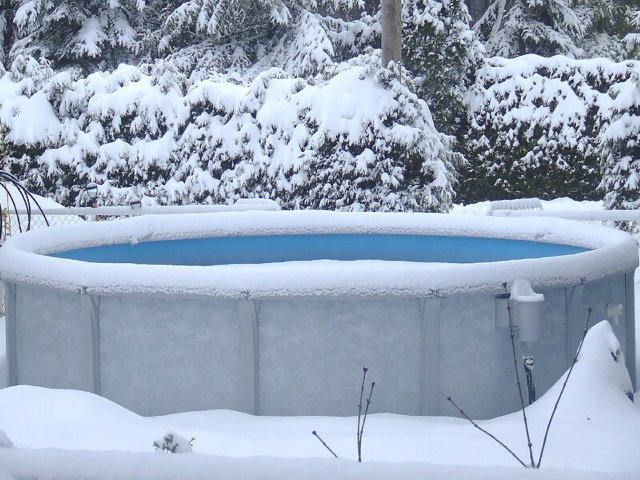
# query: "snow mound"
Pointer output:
{"type": "Point", "coordinates": [595, 424]}
{"type": "Point", "coordinates": [3, 357]}
{"type": "Point", "coordinates": [599, 383]}
{"type": "Point", "coordinates": [37, 417]}
{"type": "Point", "coordinates": [603, 358]}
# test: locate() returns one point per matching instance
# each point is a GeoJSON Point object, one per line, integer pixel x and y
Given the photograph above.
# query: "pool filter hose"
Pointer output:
{"type": "Point", "coordinates": [528, 370]}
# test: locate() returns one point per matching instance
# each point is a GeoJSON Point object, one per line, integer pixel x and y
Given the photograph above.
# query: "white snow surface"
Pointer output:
{"type": "Point", "coordinates": [21, 257]}
{"type": "Point", "coordinates": [73, 434]}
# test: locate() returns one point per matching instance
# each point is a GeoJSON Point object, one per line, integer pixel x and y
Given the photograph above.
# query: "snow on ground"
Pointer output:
{"type": "Point", "coordinates": [596, 433]}
{"type": "Point", "coordinates": [72, 434]}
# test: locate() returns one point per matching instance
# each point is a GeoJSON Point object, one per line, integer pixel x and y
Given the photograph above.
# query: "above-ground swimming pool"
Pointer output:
{"type": "Point", "coordinates": [276, 313]}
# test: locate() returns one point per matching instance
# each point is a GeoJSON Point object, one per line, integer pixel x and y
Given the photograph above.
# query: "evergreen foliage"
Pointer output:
{"type": "Point", "coordinates": [510, 28]}
{"type": "Point", "coordinates": [621, 145]}
{"type": "Point", "coordinates": [206, 101]}
{"type": "Point", "coordinates": [442, 53]}
{"type": "Point", "coordinates": [92, 34]}
{"type": "Point", "coordinates": [7, 9]}
{"type": "Point", "coordinates": [307, 143]}
{"type": "Point", "coordinates": [211, 100]}
{"type": "Point", "coordinates": [612, 28]}
{"type": "Point", "coordinates": [536, 127]}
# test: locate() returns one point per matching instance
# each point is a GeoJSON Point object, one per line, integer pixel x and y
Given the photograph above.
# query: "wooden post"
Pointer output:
{"type": "Point", "coordinates": [392, 33]}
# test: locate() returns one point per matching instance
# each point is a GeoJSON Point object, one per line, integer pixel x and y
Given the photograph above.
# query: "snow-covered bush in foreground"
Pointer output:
{"type": "Point", "coordinates": [359, 140]}
{"type": "Point", "coordinates": [536, 126]}
{"type": "Point", "coordinates": [601, 364]}
{"type": "Point", "coordinates": [171, 442]}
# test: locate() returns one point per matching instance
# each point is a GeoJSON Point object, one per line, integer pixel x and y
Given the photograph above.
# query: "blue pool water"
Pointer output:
{"type": "Point", "coordinates": [282, 248]}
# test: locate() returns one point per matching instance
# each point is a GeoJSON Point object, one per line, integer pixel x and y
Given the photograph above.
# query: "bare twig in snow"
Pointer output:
{"type": "Point", "coordinates": [364, 419]}
{"type": "Point", "coordinates": [486, 432]}
{"type": "Point", "coordinates": [315, 434]}
{"type": "Point", "coordinates": [358, 434]}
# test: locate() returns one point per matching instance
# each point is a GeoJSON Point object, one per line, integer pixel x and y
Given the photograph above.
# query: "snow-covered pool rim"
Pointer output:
{"type": "Point", "coordinates": [23, 259]}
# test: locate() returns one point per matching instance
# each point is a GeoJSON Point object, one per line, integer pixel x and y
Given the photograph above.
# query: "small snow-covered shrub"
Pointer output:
{"type": "Point", "coordinates": [173, 443]}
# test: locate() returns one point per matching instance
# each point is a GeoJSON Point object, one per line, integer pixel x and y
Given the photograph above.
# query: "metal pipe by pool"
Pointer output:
{"type": "Point", "coordinates": [276, 313]}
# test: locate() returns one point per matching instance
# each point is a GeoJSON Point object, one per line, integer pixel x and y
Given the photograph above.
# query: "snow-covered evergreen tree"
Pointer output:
{"type": "Point", "coordinates": [535, 128]}
{"type": "Point", "coordinates": [27, 119]}
{"type": "Point", "coordinates": [620, 139]}
{"type": "Point", "coordinates": [91, 34]}
{"type": "Point", "coordinates": [612, 28]}
{"type": "Point", "coordinates": [220, 99]}
{"type": "Point", "coordinates": [632, 39]}
{"type": "Point", "coordinates": [510, 28]}
{"type": "Point", "coordinates": [355, 140]}
{"type": "Point", "coordinates": [441, 52]}
{"type": "Point", "coordinates": [7, 11]}
{"type": "Point", "coordinates": [234, 35]}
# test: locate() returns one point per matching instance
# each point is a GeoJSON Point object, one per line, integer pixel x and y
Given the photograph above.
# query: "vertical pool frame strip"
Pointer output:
{"type": "Point", "coordinates": [576, 316]}
{"type": "Point", "coordinates": [10, 318]}
{"type": "Point", "coordinates": [248, 352]}
{"type": "Point", "coordinates": [430, 356]}
{"type": "Point", "coordinates": [90, 305]}
{"type": "Point", "coordinates": [630, 317]}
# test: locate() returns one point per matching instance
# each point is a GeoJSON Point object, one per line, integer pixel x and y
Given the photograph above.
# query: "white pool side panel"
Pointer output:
{"type": "Point", "coordinates": [300, 356]}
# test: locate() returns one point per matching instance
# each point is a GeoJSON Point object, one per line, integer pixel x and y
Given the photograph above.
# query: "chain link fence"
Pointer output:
{"type": "Point", "coordinates": [14, 223]}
